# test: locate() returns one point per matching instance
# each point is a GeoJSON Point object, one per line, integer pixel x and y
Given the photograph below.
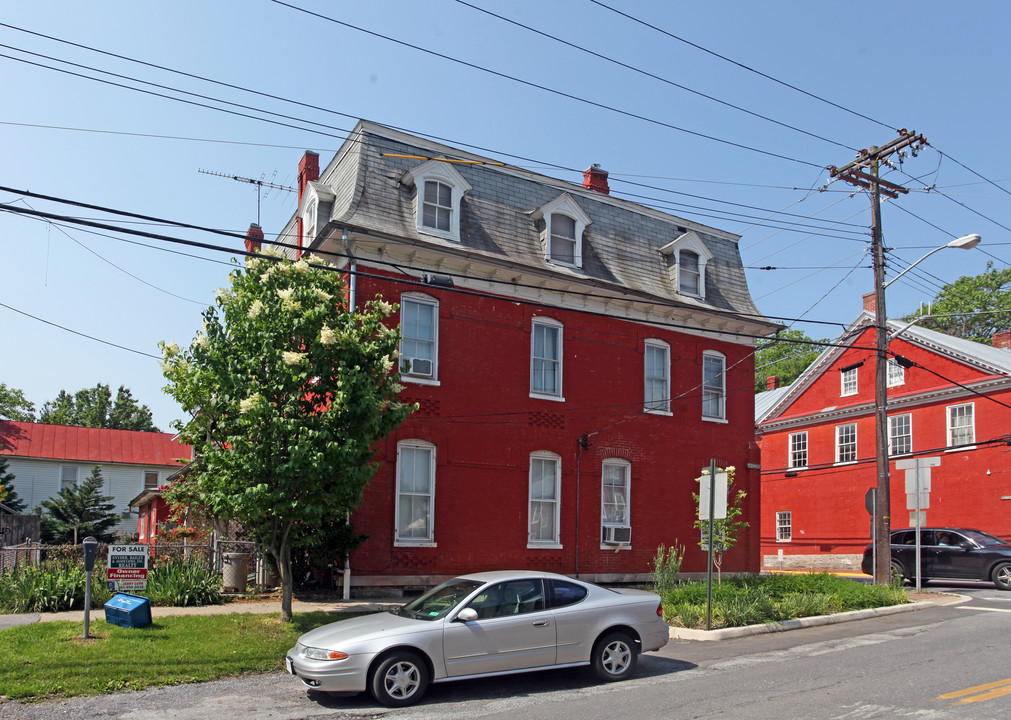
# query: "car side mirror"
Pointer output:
{"type": "Point", "coordinates": [466, 615]}
{"type": "Point", "coordinates": [966, 545]}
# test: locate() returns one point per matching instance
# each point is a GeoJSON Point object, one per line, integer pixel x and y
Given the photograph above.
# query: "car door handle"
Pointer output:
{"type": "Point", "coordinates": [540, 623]}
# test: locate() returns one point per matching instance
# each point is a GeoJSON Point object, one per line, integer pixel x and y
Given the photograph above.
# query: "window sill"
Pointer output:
{"type": "Point", "coordinates": [785, 541]}
{"type": "Point", "coordinates": [847, 462]}
{"type": "Point", "coordinates": [724, 421]}
{"type": "Point", "coordinates": [543, 546]}
{"type": "Point", "coordinates": [420, 544]}
{"type": "Point", "coordinates": [552, 398]}
{"type": "Point", "coordinates": [419, 380]}
{"type": "Point", "coordinates": [961, 449]}
{"type": "Point", "coordinates": [654, 411]}
{"type": "Point", "coordinates": [615, 548]}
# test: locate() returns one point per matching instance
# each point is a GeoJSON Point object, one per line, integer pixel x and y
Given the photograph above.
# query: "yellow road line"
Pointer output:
{"type": "Point", "coordinates": [989, 691]}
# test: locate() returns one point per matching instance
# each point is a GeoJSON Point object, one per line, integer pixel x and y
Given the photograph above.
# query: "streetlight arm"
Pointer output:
{"type": "Point", "coordinates": [966, 242]}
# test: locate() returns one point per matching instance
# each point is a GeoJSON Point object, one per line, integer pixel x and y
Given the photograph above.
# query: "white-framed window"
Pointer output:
{"type": "Point", "coordinates": [896, 373]}
{"type": "Point", "coordinates": [614, 498]}
{"type": "Point", "coordinates": [961, 425]}
{"type": "Point", "coordinates": [419, 332]}
{"type": "Point", "coordinates": [689, 273]}
{"type": "Point", "coordinates": [415, 491]}
{"type": "Point", "coordinates": [687, 258]}
{"type": "Point", "coordinates": [546, 358]}
{"type": "Point", "coordinates": [311, 213]}
{"type": "Point", "coordinates": [439, 191]}
{"type": "Point", "coordinates": [900, 434]}
{"type": "Point", "coordinates": [150, 479]}
{"type": "Point", "coordinates": [784, 526]}
{"type": "Point", "coordinates": [545, 487]}
{"type": "Point", "coordinates": [657, 377]}
{"type": "Point", "coordinates": [68, 476]}
{"type": "Point", "coordinates": [798, 450]}
{"type": "Point", "coordinates": [846, 443]}
{"type": "Point", "coordinates": [848, 381]}
{"type": "Point", "coordinates": [562, 231]}
{"type": "Point", "coordinates": [714, 385]}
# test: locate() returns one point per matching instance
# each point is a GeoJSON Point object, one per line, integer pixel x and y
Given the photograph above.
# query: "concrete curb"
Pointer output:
{"type": "Point", "coordinates": [678, 633]}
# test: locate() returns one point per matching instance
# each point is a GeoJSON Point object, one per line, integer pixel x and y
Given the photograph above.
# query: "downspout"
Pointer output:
{"type": "Point", "coordinates": [352, 290]}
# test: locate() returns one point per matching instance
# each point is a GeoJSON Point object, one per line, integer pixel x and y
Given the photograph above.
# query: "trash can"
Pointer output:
{"type": "Point", "coordinates": [128, 610]}
{"type": "Point", "coordinates": [235, 569]}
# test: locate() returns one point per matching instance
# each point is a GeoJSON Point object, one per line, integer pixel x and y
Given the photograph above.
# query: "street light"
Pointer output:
{"type": "Point", "coordinates": [882, 510]}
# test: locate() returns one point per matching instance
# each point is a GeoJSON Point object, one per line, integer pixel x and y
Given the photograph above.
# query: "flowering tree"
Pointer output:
{"type": "Point", "coordinates": [289, 392]}
{"type": "Point", "coordinates": [726, 531]}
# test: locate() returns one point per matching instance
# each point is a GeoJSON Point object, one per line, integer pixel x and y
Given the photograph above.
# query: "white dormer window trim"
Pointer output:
{"type": "Point", "coordinates": [680, 276]}
{"type": "Point", "coordinates": [442, 176]}
{"type": "Point", "coordinates": [311, 225]}
{"type": "Point", "coordinates": [557, 231]}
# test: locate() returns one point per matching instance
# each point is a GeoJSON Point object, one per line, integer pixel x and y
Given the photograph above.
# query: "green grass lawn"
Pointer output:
{"type": "Point", "coordinates": [53, 660]}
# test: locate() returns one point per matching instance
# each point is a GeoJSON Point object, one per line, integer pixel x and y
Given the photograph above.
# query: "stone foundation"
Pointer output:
{"type": "Point", "coordinates": [850, 563]}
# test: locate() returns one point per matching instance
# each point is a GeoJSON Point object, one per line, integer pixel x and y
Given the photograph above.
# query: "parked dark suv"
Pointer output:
{"type": "Point", "coordinates": [948, 553]}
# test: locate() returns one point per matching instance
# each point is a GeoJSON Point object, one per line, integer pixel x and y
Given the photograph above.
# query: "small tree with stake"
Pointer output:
{"type": "Point", "coordinates": [726, 531]}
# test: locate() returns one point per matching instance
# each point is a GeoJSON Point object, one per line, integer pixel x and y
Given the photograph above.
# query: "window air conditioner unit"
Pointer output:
{"type": "Point", "coordinates": [416, 366]}
{"type": "Point", "coordinates": [617, 535]}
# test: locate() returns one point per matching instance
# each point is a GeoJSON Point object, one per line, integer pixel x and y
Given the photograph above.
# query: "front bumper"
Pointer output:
{"type": "Point", "coordinates": [348, 675]}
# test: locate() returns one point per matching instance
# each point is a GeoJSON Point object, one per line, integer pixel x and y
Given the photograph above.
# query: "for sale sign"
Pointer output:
{"type": "Point", "coordinates": [127, 567]}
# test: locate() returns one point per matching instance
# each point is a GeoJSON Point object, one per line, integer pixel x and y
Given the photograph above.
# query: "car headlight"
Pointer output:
{"type": "Point", "coordinates": [323, 654]}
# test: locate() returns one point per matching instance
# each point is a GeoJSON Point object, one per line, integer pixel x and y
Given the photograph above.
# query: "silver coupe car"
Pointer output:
{"type": "Point", "coordinates": [481, 625]}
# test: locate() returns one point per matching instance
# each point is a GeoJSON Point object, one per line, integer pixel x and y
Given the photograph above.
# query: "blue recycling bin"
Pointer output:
{"type": "Point", "coordinates": [128, 610]}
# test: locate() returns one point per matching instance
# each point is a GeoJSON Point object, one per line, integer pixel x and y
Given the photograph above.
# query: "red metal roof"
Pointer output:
{"type": "Point", "coordinates": [97, 445]}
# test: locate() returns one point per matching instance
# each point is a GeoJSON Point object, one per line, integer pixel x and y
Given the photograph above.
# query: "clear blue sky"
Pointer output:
{"type": "Point", "coordinates": [936, 67]}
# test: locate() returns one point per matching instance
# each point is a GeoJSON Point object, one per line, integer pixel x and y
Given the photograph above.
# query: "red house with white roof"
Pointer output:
{"type": "Point", "coordinates": [46, 458]}
{"type": "Point", "coordinates": [577, 358]}
{"type": "Point", "coordinates": [948, 398]}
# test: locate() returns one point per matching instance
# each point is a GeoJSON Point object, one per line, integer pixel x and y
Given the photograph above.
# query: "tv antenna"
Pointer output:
{"type": "Point", "coordinates": [260, 184]}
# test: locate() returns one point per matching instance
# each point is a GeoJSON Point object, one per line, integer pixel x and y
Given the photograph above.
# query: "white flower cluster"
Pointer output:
{"type": "Point", "coordinates": [292, 358]}
{"type": "Point", "coordinates": [249, 403]}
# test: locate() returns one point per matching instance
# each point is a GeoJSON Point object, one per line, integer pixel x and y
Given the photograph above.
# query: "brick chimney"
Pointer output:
{"type": "Point", "coordinates": [254, 238]}
{"type": "Point", "coordinates": [308, 171]}
{"type": "Point", "coordinates": [871, 303]}
{"type": "Point", "coordinates": [595, 178]}
{"type": "Point", "coordinates": [772, 382]}
{"type": "Point", "coordinates": [1002, 339]}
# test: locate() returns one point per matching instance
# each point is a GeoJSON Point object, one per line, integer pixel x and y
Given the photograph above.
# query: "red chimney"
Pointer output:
{"type": "Point", "coordinates": [772, 382]}
{"type": "Point", "coordinates": [871, 303]}
{"type": "Point", "coordinates": [595, 178]}
{"type": "Point", "coordinates": [1002, 339]}
{"type": "Point", "coordinates": [308, 171]}
{"type": "Point", "coordinates": [254, 238]}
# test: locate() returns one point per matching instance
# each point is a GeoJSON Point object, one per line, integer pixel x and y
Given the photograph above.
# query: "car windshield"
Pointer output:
{"type": "Point", "coordinates": [440, 600]}
{"type": "Point", "coordinates": [983, 539]}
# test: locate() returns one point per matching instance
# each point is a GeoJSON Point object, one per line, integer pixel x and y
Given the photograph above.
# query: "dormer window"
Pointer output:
{"type": "Point", "coordinates": [689, 274]}
{"type": "Point", "coordinates": [687, 258]}
{"type": "Point", "coordinates": [311, 214]}
{"type": "Point", "coordinates": [315, 211]}
{"type": "Point", "coordinates": [562, 232]}
{"type": "Point", "coordinates": [439, 191]}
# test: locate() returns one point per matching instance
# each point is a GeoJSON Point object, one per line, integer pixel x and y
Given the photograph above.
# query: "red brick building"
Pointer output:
{"type": "Point", "coordinates": [577, 359]}
{"type": "Point", "coordinates": [948, 398]}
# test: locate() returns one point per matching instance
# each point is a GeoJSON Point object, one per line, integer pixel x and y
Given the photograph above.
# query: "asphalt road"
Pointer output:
{"type": "Point", "coordinates": [942, 662]}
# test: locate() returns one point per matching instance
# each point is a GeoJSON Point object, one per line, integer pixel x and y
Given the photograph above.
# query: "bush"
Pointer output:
{"type": "Point", "coordinates": [667, 568]}
{"type": "Point", "coordinates": [752, 600]}
{"type": "Point", "coordinates": [58, 585]}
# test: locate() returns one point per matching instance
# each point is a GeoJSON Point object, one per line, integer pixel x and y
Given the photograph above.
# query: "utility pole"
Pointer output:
{"type": "Point", "coordinates": [856, 173]}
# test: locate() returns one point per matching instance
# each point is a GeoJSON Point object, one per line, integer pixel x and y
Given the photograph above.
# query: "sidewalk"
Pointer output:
{"type": "Point", "coordinates": [236, 606]}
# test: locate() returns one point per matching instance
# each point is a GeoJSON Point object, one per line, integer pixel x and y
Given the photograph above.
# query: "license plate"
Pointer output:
{"type": "Point", "coordinates": [288, 667]}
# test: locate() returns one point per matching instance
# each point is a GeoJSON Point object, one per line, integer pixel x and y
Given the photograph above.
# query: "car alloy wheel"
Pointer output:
{"type": "Point", "coordinates": [614, 657]}
{"type": "Point", "coordinates": [399, 680]}
{"type": "Point", "coordinates": [1002, 576]}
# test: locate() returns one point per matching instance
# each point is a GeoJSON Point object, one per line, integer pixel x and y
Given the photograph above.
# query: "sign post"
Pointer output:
{"type": "Point", "coordinates": [127, 567]}
{"type": "Point", "coordinates": [918, 499]}
{"type": "Point", "coordinates": [90, 550]}
{"type": "Point", "coordinates": [712, 506]}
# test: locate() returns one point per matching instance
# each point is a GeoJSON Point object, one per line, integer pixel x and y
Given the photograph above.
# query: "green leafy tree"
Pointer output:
{"type": "Point", "coordinates": [974, 307]}
{"type": "Point", "coordinates": [289, 391]}
{"type": "Point", "coordinates": [726, 531]}
{"type": "Point", "coordinates": [786, 356]}
{"type": "Point", "coordinates": [79, 510]}
{"type": "Point", "coordinates": [94, 407]}
{"type": "Point", "coordinates": [14, 405]}
{"type": "Point", "coordinates": [7, 494]}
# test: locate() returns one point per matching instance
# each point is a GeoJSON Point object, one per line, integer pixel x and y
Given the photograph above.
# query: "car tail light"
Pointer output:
{"type": "Point", "coordinates": [659, 610]}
